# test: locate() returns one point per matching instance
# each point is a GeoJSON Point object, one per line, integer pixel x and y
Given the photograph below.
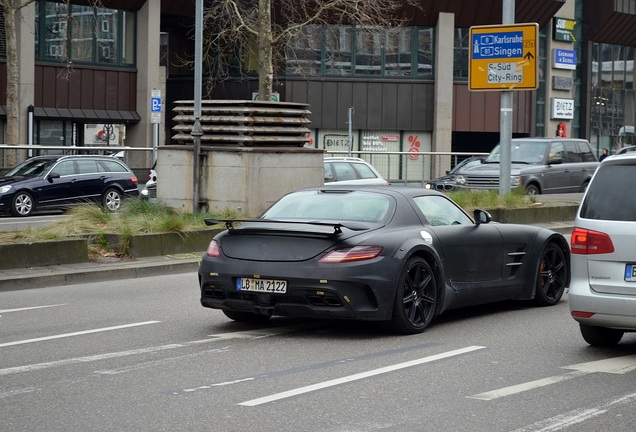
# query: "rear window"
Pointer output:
{"type": "Point", "coordinates": [340, 206]}
{"type": "Point", "coordinates": [608, 196]}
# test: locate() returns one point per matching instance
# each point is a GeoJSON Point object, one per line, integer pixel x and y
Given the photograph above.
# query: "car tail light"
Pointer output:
{"type": "Point", "coordinates": [587, 242]}
{"type": "Point", "coordinates": [214, 250]}
{"type": "Point", "coordinates": [351, 254]}
{"type": "Point", "coordinates": [581, 314]}
{"type": "Point", "coordinates": [134, 180]}
{"type": "Point", "coordinates": [149, 175]}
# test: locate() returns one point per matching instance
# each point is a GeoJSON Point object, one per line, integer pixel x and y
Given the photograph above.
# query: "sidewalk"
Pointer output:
{"type": "Point", "coordinates": [101, 270]}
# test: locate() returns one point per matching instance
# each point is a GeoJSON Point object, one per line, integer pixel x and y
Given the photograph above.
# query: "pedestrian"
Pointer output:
{"type": "Point", "coordinates": [603, 155]}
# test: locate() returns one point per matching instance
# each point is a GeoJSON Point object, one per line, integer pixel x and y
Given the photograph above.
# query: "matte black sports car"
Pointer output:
{"type": "Point", "coordinates": [388, 253]}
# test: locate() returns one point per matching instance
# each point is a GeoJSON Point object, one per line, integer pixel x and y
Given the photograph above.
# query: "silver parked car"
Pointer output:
{"type": "Point", "coordinates": [603, 290]}
{"type": "Point", "coordinates": [351, 170]}
{"type": "Point", "coordinates": [540, 165]}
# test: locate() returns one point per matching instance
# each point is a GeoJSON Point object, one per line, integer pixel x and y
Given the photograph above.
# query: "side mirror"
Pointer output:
{"type": "Point", "coordinates": [555, 161]}
{"type": "Point", "coordinates": [53, 175]}
{"type": "Point", "coordinates": [481, 216]}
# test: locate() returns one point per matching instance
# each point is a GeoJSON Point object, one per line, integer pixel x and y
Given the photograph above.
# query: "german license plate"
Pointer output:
{"type": "Point", "coordinates": [261, 285]}
{"type": "Point", "coordinates": [630, 272]}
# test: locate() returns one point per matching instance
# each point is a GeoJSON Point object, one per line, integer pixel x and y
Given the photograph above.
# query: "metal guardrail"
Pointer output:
{"type": "Point", "coordinates": [407, 167]}
{"type": "Point", "coordinates": [36, 150]}
{"type": "Point", "coordinates": [397, 167]}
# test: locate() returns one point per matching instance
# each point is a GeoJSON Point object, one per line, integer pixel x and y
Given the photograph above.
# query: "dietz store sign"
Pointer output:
{"type": "Point", "coordinates": [562, 109]}
{"type": "Point", "coordinates": [563, 29]}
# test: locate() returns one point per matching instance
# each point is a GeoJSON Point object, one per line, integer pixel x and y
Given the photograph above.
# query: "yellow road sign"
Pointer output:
{"type": "Point", "coordinates": [503, 57]}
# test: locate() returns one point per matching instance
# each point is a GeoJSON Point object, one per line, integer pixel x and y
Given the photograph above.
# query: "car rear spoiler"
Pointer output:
{"type": "Point", "coordinates": [337, 226]}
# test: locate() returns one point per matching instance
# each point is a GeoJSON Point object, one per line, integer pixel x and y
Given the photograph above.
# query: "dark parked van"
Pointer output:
{"type": "Point", "coordinates": [540, 165]}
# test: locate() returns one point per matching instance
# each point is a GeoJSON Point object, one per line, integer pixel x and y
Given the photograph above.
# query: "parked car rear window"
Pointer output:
{"type": "Point", "coordinates": [607, 198]}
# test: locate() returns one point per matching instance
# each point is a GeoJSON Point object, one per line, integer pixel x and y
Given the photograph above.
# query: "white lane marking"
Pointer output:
{"type": "Point", "coordinates": [160, 362]}
{"type": "Point", "coordinates": [29, 308]}
{"type": "Point", "coordinates": [209, 386]}
{"type": "Point", "coordinates": [566, 420]}
{"type": "Point", "coordinates": [359, 376]}
{"type": "Point", "coordinates": [519, 388]}
{"type": "Point", "coordinates": [614, 365]}
{"type": "Point", "coordinates": [85, 359]}
{"type": "Point", "coordinates": [80, 333]}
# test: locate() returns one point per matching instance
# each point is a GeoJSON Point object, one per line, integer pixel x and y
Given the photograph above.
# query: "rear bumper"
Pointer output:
{"type": "Point", "coordinates": [348, 292]}
{"type": "Point", "coordinates": [612, 311]}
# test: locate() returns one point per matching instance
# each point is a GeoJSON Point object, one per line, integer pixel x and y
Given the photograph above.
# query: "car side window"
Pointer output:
{"type": "Point", "coordinates": [65, 168]}
{"type": "Point", "coordinates": [87, 167]}
{"type": "Point", "coordinates": [572, 151]}
{"type": "Point", "coordinates": [328, 173]}
{"type": "Point", "coordinates": [112, 166]}
{"type": "Point", "coordinates": [364, 172]}
{"type": "Point", "coordinates": [439, 210]}
{"type": "Point", "coordinates": [557, 151]}
{"type": "Point", "coordinates": [344, 171]}
{"type": "Point", "coordinates": [586, 152]}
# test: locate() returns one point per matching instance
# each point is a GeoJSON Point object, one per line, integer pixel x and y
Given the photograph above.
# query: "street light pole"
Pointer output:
{"type": "Point", "coordinates": [196, 129]}
{"type": "Point", "coordinates": [505, 114]}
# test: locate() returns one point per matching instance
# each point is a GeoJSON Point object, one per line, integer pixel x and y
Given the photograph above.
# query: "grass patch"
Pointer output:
{"type": "Point", "coordinates": [490, 199]}
{"type": "Point", "coordinates": [136, 216]}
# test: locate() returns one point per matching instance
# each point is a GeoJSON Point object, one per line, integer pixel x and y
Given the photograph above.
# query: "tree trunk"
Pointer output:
{"type": "Point", "coordinates": [265, 41]}
{"type": "Point", "coordinates": [13, 109]}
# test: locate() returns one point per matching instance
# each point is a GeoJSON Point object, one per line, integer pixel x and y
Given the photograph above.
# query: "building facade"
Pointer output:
{"type": "Point", "coordinates": [88, 76]}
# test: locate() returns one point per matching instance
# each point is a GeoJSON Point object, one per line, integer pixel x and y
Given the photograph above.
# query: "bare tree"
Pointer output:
{"type": "Point", "coordinates": [253, 27]}
{"type": "Point", "coordinates": [10, 10]}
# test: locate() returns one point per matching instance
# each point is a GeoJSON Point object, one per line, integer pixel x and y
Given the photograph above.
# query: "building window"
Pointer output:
{"type": "Point", "coordinates": [84, 34]}
{"type": "Point", "coordinates": [342, 50]}
{"type": "Point", "coordinates": [461, 47]}
{"type": "Point", "coordinates": [338, 50]}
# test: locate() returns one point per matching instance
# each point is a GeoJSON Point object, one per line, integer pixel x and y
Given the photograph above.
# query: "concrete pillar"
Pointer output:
{"type": "Point", "coordinates": [149, 76]}
{"type": "Point", "coordinates": [25, 26]}
{"type": "Point", "coordinates": [558, 80]}
{"type": "Point", "coordinates": [443, 113]}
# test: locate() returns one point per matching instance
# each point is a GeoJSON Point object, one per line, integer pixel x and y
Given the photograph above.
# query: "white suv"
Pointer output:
{"type": "Point", "coordinates": [351, 170]}
{"type": "Point", "coordinates": [602, 294]}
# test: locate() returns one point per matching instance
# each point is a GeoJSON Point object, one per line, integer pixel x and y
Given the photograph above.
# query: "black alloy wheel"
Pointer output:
{"type": "Point", "coordinates": [416, 297]}
{"type": "Point", "coordinates": [552, 277]}
{"type": "Point", "coordinates": [22, 204]}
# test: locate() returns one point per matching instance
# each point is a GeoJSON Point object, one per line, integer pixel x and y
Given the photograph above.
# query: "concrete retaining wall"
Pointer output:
{"type": "Point", "coordinates": [25, 255]}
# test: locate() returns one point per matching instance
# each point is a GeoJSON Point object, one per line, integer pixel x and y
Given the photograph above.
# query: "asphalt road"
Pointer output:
{"type": "Point", "coordinates": [143, 355]}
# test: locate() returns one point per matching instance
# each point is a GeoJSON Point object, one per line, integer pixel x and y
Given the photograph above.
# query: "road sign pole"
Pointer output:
{"type": "Point", "coordinates": [505, 114]}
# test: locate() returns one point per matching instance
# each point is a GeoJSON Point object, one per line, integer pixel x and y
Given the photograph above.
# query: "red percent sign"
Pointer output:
{"type": "Point", "coordinates": [415, 146]}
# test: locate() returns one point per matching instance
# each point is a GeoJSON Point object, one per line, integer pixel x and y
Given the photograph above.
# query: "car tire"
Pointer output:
{"type": "Point", "coordinates": [22, 204]}
{"type": "Point", "coordinates": [415, 297]}
{"type": "Point", "coordinates": [112, 200]}
{"type": "Point", "coordinates": [600, 336]}
{"type": "Point", "coordinates": [247, 317]}
{"type": "Point", "coordinates": [532, 189]}
{"type": "Point", "coordinates": [585, 185]}
{"type": "Point", "coordinates": [552, 276]}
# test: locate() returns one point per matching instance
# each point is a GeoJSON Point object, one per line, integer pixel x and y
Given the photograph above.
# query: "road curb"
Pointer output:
{"type": "Point", "coordinates": [42, 277]}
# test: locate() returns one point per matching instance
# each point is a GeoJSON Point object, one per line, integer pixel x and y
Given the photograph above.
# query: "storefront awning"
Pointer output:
{"type": "Point", "coordinates": [87, 115]}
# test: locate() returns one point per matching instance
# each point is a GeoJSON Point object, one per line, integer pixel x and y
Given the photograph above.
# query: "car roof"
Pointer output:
{"type": "Point", "coordinates": [543, 139]}
{"type": "Point", "coordinates": [402, 191]}
{"type": "Point", "coordinates": [59, 157]}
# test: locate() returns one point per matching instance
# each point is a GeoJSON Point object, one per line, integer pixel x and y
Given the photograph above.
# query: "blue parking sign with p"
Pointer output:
{"type": "Point", "coordinates": [155, 104]}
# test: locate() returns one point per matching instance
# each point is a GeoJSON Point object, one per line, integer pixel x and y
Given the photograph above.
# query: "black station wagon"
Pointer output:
{"type": "Point", "coordinates": [53, 182]}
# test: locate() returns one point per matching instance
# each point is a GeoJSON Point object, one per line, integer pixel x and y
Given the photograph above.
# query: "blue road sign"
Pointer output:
{"type": "Point", "coordinates": [503, 45]}
{"type": "Point", "coordinates": [155, 104]}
